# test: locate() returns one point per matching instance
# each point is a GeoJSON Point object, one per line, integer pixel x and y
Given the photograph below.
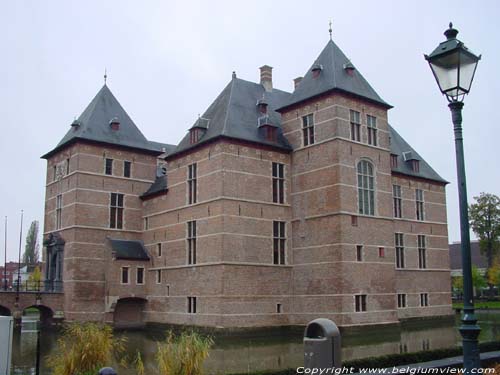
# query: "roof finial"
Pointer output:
{"type": "Point", "coordinates": [105, 76]}
{"type": "Point", "coordinates": [330, 29]}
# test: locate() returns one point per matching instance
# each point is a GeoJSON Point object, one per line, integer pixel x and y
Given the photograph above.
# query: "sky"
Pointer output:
{"type": "Point", "coordinates": [166, 62]}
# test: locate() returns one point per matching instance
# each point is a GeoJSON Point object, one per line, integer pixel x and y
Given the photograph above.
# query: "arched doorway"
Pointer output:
{"type": "Point", "coordinates": [129, 313]}
{"type": "Point", "coordinates": [5, 311]}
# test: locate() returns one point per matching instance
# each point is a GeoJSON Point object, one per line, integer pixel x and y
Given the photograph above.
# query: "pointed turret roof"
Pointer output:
{"type": "Point", "coordinates": [337, 73]}
{"type": "Point", "coordinates": [94, 125]}
{"type": "Point", "coordinates": [234, 114]}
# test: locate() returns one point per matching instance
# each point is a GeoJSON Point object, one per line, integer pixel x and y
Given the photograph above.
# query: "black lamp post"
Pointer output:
{"type": "Point", "coordinates": [453, 66]}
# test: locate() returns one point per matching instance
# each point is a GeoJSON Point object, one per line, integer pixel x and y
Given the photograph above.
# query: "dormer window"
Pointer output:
{"type": "Point", "coordinates": [267, 128]}
{"type": "Point", "coordinates": [316, 70]}
{"type": "Point", "coordinates": [194, 135]}
{"type": "Point", "coordinates": [114, 124]}
{"type": "Point", "coordinates": [271, 133]}
{"type": "Point", "coordinates": [349, 68]}
{"type": "Point", "coordinates": [413, 161]}
{"type": "Point", "coordinates": [415, 166]}
{"type": "Point", "coordinates": [198, 130]}
{"type": "Point", "coordinates": [394, 161]}
{"type": "Point", "coordinates": [75, 125]}
{"type": "Point", "coordinates": [262, 106]}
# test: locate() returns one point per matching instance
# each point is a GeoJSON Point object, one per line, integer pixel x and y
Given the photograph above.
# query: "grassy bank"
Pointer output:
{"type": "Point", "coordinates": [480, 305]}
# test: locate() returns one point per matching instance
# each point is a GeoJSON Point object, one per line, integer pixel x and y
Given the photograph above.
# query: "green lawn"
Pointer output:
{"type": "Point", "coordinates": [480, 305]}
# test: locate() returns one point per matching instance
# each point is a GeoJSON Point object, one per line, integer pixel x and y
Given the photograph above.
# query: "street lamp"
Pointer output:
{"type": "Point", "coordinates": [453, 66]}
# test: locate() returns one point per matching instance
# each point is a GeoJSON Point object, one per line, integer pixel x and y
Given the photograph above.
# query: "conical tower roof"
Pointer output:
{"type": "Point", "coordinates": [336, 73]}
{"type": "Point", "coordinates": [94, 125]}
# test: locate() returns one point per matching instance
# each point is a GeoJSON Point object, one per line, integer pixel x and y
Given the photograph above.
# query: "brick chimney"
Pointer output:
{"type": "Point", "coordinates": [296, 82]}
{"type": "Point", "coordinates": [266, 77]}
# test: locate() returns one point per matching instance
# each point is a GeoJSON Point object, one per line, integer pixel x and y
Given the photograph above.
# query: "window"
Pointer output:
{"type": "Point", "coordinates": [125, 275]}
{"type": "Point", "coordinates": [381, 252]}
{"type": "Point", "coordinates": [146, 223]}
{"type": "Point", "coordinates": [192, 176]}
{"type": "Point", "coordinates": [159, 249]}
{"type": "Point", "coordinates": [400, 250]}
{"type": "Point", "coordinates": [360, 302]}
{"type": "Point", "coordinates": [191, 305]}
{"type": "Point", "coordinates": [371, 122]}
{"type": "Point", "coordinates": [419, 200]}
{"type": "Point", "coordinates": [194, 136]}
{"type": "Point", "coordinates": [54, 173]}
{"type": "Point", "coordinates": [139, 279]}
{"type": "Point", "coordinates": [116, 211]}
{"type": "Point", "coordinates": [279, 308]}
{"type": "Point", "coordinates": [355, 125]}
{"type": "Point", "coordinates": [108, 166]}
{"type": "Point", "coordinates": [359, 253]}
{"type": "Point", "coordinates": [366, 190]}
{"type": "Point", "coordinates": [279, 242]}
{"type": "Point", "coordinates": [59, 211]}
{"type": "Point", "coordinates": [271, 133]}
{"type": "Point", "coordinates": [67, 166]}
{"type": "Point", "coordinates": [396, 198]}
{"type": "Point", "coordinates": [308, 129]}
{"type": "Point", "coordinates": [394, 161]}
{"type": "Point", "coordinates": [422, 259]}
{"type": "Point", "coordinates": [354, 220]}
{"type": "Point", "coordinates": [158, 276]}
{"type": "Point", "coordinates": [191, 242]}
{"type": "Point", "coordinates": [127, 166]}
{"type": "Point", "coordinates": [424, 299]}
{"type": "Point", "coordinates": [415, 166]}
{"type": "Point", "coordinates": [401, 301]}
{"type": "Point", "coordinates": [278, 183]}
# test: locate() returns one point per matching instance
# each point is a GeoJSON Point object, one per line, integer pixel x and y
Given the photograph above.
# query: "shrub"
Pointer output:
{"type": "Point", "coordinates": [183, 354]}
{"type": "Point", "coordinates": [83, 349]}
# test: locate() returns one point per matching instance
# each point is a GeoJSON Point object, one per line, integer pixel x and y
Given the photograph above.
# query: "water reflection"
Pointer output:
{"type": "Point", "coordinates": [236, 354]}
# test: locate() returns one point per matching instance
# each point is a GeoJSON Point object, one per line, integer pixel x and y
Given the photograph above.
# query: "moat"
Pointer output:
{"type": "Point", "coordinates": [246, 354]}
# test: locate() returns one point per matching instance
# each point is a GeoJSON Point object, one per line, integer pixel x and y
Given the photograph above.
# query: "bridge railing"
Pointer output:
{"type": "Point", "coordinates": [42, 286]}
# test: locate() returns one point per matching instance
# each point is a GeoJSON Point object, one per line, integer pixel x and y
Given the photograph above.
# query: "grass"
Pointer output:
{"type": "Point", "coordinates": [484, 305]}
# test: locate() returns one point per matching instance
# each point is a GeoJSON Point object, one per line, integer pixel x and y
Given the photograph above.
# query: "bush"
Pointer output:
{"type": "Point", "coordinates": [183, 354]}
{"type": "Point", "coordinates": [83, 349]}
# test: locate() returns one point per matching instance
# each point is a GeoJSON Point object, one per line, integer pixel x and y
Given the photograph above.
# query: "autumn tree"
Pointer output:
{"type": "Point", "coordinates": [484, 217]}
{"type": "Point", "coordinates": [32, 250]}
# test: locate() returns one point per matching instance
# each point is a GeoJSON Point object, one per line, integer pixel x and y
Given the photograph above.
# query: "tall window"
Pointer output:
{"type": "Point", "coordinates": [139, 279]}
{"type": "Point", "coordinates": [355, 125]}
{"type": "Point", "coordinates": [394, 161]}
{"type": "Point", "coordinates": [191, 305]}
{"type": "Point", "coordinates": [116, 211]}
{"type": "Point", "coordinates": [127, 166]}
{"type": "Point", "coordinates": [400, 250]}
{"type": "Point", "coordinates": [366, 189]}
{"type": "Point", "coordinates": [159, 249]}
{"type": "Point", "coordinates": [419, 200]}
{"type": "Point", "coordinates": [158, 276]}
{"type": "Point", "coordinates": [191, 242]}
{"type": "Point", "coordinates": [279, 240]}
{"type": "Point", "coordinates": [108, 166]}
{"type": "Point", "coordinates": [278, 183]}
{"type": "Point", "coordinates": [371, 122]}
{"type": "Point", "coordinates": [422, 258]}
{"type": "Point", "coordinates": [59, 211]}
{"type": "Point", "coordinates": [401, 300]}
{"type": "Point", "coordinates": [308, 129]}
{"type": "Point", "coordinates": [124, 275]}
{"type": "Point", "coordinates": [396, 198]}
{"type": "Point", "coordinates": [424, 299]}
{"type": "Point", "coordinates": [360, 302]}
{"type": "Point", "coordinates": [192, 178]}
{"type": "Point", "coordinates": [146, 223]}
{"type": "Point", "coordinates": [359, 253]}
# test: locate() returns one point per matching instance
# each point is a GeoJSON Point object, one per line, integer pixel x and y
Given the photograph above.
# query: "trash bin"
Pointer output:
{"type": "Point", "coordinates": [322, 344]}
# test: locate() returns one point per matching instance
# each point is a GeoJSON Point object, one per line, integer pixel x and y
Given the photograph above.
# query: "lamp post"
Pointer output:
{"type": "Point", "coordinates": [453, 66]}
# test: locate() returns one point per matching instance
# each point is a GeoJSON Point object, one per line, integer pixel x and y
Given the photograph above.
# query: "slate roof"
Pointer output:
{"type": "Point", "coordinates": [128, 249]}
{"type": "Point", "coordinates": [333, 77]}
{"type": "Point", "coordinates": [234, 114]}
{"type": "Point", "coordinates": [478, 259]}
{"type": "Point", "coordinates": [94, 126]}
{"type": "Point", "coordinates": [400, 146]}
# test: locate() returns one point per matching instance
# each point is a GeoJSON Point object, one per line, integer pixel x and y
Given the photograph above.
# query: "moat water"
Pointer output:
{"type": "Point", "coordinates": [245, 354]}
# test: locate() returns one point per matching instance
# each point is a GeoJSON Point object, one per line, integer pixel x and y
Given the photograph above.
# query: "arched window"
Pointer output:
{"type": "Point", "coordinates": [366, 188]}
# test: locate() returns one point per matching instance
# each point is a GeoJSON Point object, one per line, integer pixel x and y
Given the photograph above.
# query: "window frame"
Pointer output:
{"type": "Point", "coordinates": [279, 242]}
{"type": "Point", "coordinates": [400, 250]}
{"type": "Point", "coordinates": [125, 268]}
{"type": "Point", "coordinates": [127, 169]}
{"type": "Point", "coordinates": [108, 166]}
{"type": "Point", "coordinates": [360, 303]}
{"type": "Point", "coordinates": [359, 253]}
{"type": "Point", "coordinates": [59, 211]}
{"type": "Point", "coordinates": [424, 299]}
{"type": "Point", "coordinates": [191, 307]}
{"type": "Point", "coordinates": [158, 277]}
{"type": "Point", "coordinates": [365, 173]}
{"type": "Point", "coordinates": [355, 120]}
{"type": "Point", "coordinates": [116, 210]}
{"type": "Point", "coordinates": [397, 201]}
{"type": "Point", "coordinates": [371, 125]}
{"type": "Point", "coordinates": [192, 183]}
{"type": "Point", "coordinates": [419, 205]}
{"type": "Point", "coordinates": [308, 136]}
{"type": "Point", "coordinates": [191, 240]}
{"type": "Point", "coordinates": [278, 173]}
{"type": "Point", "coordinates": [402, 303]}
{"type": "Point", "coordinates": [137, 276]}
{"type": "Point", "coordinates": [422, 251]}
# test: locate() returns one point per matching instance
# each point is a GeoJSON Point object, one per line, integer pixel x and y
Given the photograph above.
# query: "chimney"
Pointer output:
{"type": "Point", "coordinates": [296, 82]}
{"type": "Point", "coordinates": [266, 77]}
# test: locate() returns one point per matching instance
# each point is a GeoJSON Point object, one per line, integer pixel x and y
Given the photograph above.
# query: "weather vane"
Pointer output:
{"type": "Point", "coordinates": [105, 76]}
{"type": "Point", "coordinates": [330, 29]}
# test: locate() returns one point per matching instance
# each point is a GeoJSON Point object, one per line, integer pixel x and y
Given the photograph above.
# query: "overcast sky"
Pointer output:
{"type": "Point", "coordinates": [167, 61]}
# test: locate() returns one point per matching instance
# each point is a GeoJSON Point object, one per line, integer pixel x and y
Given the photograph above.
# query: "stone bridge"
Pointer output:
{"type": "Point", "coordinates": [49, 304]}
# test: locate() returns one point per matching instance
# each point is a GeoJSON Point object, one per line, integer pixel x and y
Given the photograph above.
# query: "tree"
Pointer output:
{"type": "Point", "coordinates": [32, 250]}
{"type": "Point", "coordinates": [485, 222]}
{"type": "Point", "coordinates": [478, 280]}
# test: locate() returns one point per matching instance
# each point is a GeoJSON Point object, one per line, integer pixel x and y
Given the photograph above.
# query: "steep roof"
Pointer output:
{"type": "Point", "coordinates": [333, 76]}
{"type": "Point", "coordinates": [399, 147]}
{"type": "Point", "coordinates": [94, 125]}
{"type": "Point", "coordinates": [477, 258]}
{"type": "Point", "coordinates": [234, 114]}
{"type": "Point", "coordinates": [128, 249]}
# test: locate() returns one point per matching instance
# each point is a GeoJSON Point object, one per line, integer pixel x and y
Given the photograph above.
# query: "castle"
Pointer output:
{"type": "Point", "coordinates": [275, 208]}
